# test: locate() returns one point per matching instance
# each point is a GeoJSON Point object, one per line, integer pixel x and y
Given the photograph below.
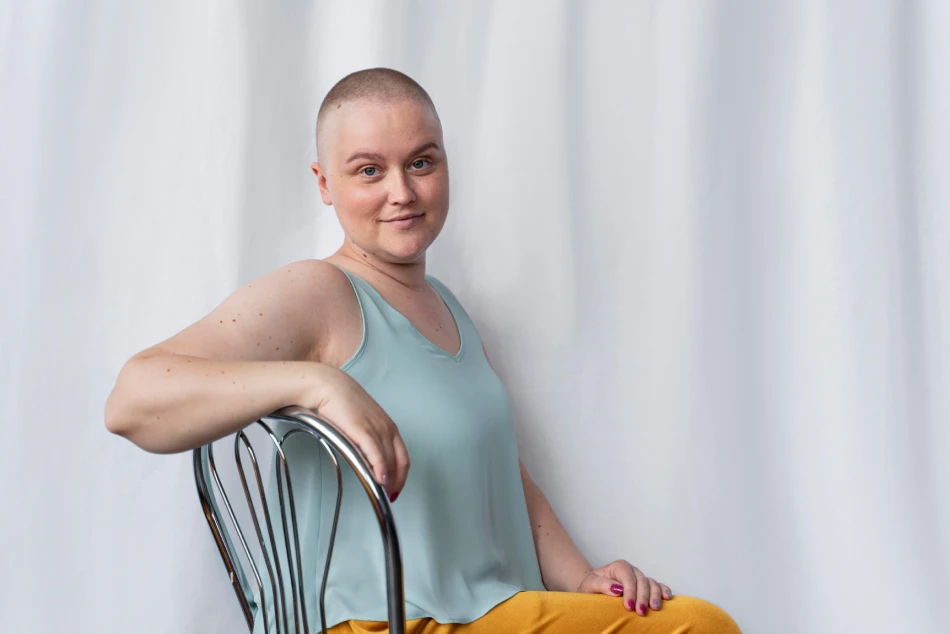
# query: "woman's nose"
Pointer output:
{"type": "Point", "coordinates": [400, 191]}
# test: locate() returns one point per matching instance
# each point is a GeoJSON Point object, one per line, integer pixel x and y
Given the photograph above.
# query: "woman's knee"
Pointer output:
{"type": "Point", "coordinates": [704, 617]}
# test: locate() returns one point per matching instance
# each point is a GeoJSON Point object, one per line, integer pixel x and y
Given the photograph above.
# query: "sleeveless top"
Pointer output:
{"type": "Point", "coordinates": [462, 518]}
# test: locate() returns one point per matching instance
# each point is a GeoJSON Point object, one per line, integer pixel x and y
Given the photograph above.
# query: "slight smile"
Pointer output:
{"type": "Point", "coordinates": [405, 222]}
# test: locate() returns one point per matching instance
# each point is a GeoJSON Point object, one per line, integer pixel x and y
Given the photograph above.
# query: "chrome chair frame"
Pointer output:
{"type": "Point", "coordinates": [303, 421]}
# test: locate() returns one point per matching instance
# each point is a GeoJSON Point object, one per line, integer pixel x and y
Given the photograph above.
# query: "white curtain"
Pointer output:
{"type": "Point", "coordinates": [707, 244]}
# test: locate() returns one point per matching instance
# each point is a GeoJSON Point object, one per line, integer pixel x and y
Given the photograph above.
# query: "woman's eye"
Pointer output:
{"type": "Point", "coordinates": [419, 163]}
{"type": "Point", "coordinates": [368, 171]}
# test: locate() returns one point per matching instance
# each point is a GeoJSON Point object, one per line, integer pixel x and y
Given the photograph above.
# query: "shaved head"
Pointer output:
{"type": "Point", "coordinates": [375, 85]}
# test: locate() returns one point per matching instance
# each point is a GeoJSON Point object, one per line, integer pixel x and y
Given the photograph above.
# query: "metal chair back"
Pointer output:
{"type": "Point", "coordinates": [289, 600]}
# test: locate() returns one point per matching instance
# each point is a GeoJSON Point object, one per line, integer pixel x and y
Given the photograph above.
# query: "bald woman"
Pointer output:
{"type": "Point", "coordinates": [389, 356]}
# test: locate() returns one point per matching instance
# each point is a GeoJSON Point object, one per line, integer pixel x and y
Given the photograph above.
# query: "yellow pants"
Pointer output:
{"type": "Point", "coordinates": [571, 613]}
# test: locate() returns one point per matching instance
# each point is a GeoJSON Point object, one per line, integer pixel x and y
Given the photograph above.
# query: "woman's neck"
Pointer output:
{"type": "Point", "coordinates": [411, 275]}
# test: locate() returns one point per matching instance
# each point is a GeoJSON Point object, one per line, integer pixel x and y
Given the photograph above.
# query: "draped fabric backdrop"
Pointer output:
{"type": "Point", "coordinates": [707, 244]}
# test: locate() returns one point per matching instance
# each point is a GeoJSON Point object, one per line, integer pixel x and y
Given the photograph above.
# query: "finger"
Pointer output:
{"type": "Point", "coordinates": [643, 592]}
{"type": "Point", "coordinates": [667, 593]}
{"type": "Point", "coordinates": [373, 452]}
{"type": "Point", "coordinates": [599, 584]}
{"type": "Point", "coordinates": [401, 456]}
{"type": "Point", "coordinates": [655, 594]}
{"type": "Point", "coordinates": [623, 572]}
{"type": "Point", "coordinates": [385, 442]}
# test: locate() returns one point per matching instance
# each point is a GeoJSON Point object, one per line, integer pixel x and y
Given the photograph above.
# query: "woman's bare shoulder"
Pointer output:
{"type": "Point", "coordinates": [294, 312]}
{"type": "Point", "coordinates": [329, 305]}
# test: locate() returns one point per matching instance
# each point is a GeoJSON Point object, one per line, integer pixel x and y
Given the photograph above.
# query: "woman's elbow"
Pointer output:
{"type": "Point", "coordinates": [122, 422]}
{"type": "Point", "coordinates": [116, 418]}
{"type": "Point", "coordinates": [122, 419]}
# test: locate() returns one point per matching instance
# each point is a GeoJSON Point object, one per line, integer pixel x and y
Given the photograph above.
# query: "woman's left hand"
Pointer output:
{"type": "Point", "coordinates": [621, 578]}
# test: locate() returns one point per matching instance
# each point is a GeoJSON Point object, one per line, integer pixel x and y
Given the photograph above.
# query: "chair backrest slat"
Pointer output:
{"type": "Point", "coordinates": [299, 421]}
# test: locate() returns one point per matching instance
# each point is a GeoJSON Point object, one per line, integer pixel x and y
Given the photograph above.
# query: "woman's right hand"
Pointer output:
{"type": "Point", "coordinates": [349, 408]}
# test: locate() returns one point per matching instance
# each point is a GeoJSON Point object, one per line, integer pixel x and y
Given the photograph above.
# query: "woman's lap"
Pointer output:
{"type": "Point", "coordinates": [571, 613]}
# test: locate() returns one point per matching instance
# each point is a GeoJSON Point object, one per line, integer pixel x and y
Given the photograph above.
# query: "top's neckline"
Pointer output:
{"type": "Point", "coordinates": [455, 319]}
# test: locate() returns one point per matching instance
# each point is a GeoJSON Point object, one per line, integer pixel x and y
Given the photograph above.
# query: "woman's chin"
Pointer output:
{"type": "Point", "coordinates": [406, 250]}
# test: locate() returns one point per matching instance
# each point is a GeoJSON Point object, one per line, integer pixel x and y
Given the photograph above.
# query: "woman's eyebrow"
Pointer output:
{"type": "Point", "coordinates": [372, 156]}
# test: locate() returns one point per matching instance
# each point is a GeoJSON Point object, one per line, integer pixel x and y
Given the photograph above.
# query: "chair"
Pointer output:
{"type": "Point", "coordinates": [298, 420]}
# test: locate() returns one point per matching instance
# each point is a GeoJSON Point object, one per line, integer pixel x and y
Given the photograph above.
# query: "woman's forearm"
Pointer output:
{"type": "Point", "coordinates": [562, 565]}
{"type": "Point", "coordinates": [169, 403]}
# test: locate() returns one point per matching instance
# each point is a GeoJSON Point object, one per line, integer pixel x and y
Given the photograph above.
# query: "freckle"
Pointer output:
{"type": "Point", "coordinates": [168, 370]}
{"type": "Point", "coordinates": [258, 343]}
{"type": "Point", "coordinates": [277, 348]}
{"type": "Point", "coordinates": [222, 371]}
{"type": "Point", "coordinates": [301, 376]}
{"type": "Point", "coordinates": [221, 322]}
{"type": "Point", "coordinates": [234, 320]}
{"type": "Point", "coordinates": [189, 360]}
{"type": "Point", "coordinates": [261, 314]}
{"type": "Point", "coordinates": [233, 382]}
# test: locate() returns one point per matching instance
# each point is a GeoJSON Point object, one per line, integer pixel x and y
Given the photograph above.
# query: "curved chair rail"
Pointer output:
{"type": "Point", "coordinates": [300, 420]}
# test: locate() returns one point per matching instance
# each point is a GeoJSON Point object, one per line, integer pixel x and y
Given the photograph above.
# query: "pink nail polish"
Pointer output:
{"type": "Point", "coordinates": [616, 588]}
{"type": "Point", "coordinates": [642, 610]}
{"type": "Point", "coordinates": [630, 604]}
{"type": "Point", "coordinates": [392, 497]}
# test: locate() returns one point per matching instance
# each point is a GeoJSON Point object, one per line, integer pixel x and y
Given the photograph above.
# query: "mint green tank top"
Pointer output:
{"type": "Point", "coordinates": [462, 519]}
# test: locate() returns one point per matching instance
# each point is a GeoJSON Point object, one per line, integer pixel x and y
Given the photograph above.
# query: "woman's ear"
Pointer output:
{"type": "Point", "coordinates": [321, 182]}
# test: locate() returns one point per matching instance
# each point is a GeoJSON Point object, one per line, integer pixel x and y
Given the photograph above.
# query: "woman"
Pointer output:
{"type": "Point", "coordinates": [368, 340]}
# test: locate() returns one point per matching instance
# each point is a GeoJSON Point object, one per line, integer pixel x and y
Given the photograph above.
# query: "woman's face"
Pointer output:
{"type": "Point", "coordinates": [384, 163]}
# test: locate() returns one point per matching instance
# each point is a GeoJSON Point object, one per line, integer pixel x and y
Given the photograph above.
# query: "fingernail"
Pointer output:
{"type": "Point", "coordinates": [656, 604]}
{"type": "Point", "coordinates": [385, 479]}
{"type": "Point", "coordinates": [630, 604]}
{"type": "Point", "coordinates": [393, 496]}
{"type": "Point", "coordinates": [616, 588]}
{"type": "Point", "coordinates": [643, 610]}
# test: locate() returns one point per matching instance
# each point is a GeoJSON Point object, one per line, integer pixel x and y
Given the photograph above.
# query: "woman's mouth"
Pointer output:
{"type": "Point", "coordinates": [405, 223]}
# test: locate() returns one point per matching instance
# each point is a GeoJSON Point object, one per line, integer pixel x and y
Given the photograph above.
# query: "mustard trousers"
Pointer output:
{"type": "Point", "coordinates": [570, 613]}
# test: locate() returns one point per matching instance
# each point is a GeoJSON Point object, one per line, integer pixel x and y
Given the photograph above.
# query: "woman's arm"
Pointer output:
{"type": "Point", "coordinates": [563, 567]}
{"type": "Point", "coordinates": [244, 360]}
